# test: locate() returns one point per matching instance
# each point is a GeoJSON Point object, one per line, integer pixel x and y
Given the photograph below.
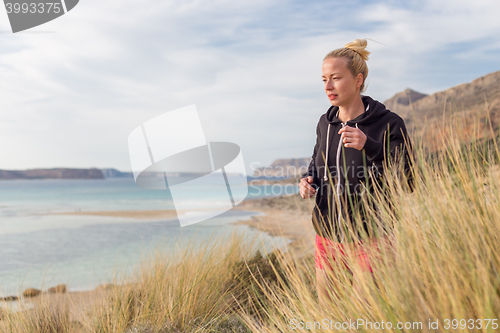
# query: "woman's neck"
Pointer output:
{"type": "Point", "coordinates": [352, 110]}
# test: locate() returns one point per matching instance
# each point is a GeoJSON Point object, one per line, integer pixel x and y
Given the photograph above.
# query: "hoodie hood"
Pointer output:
{"type": "Point", "coordinates": [374, 110]}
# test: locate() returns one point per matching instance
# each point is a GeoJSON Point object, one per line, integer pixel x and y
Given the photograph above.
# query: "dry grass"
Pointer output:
{"type": "Point", "coordinates": [46, 317]}
{"type": "Point", "coordinates": [198, 292]}
{"type": "Point", "coordinates": [447, 264]}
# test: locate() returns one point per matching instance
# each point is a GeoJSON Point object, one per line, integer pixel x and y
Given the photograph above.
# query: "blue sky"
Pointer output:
{"type": "Point", "coordinates": [73, 89]}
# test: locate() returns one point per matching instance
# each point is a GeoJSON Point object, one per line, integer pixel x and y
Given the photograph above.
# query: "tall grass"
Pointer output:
{"type": "Point", "coordinates": [45, 317]}
{"type": "Point", "coordinates": [447, 262]}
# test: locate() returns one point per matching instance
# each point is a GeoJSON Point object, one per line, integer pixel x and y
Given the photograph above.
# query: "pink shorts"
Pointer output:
{"type": "Point", "coordinates": [326, 250]}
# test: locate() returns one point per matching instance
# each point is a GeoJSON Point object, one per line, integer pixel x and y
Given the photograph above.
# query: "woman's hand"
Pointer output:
{"type": "Point", "coordinates": [352, 137]}
{"type": "Point", "coordinates": [306, 190]}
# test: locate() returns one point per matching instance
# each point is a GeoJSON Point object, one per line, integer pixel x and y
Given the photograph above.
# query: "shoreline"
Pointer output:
{"type": "Point", "coordinates": [271, 215]}
{"type": "Point", "coordinates": [287, 216]}
{"type": "Point", "coordinates": [135, 214]}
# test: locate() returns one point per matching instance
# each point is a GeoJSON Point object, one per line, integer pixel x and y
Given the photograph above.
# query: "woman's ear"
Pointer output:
{"type": "Point", "coordinates": [359, 80]}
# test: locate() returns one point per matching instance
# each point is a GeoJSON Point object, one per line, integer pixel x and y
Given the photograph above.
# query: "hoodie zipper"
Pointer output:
{"type": "Point", "coordinates": [339, 203]}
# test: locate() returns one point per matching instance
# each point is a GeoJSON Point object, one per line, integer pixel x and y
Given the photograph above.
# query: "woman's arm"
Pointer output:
{"type": "Point", "coordinates": [309, 181]}
{"type": "Point", "coordinates": [312, 169]}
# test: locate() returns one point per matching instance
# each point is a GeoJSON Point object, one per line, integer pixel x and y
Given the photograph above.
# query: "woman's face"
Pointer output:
{"type": "Point", "coordinates": [340, 86]}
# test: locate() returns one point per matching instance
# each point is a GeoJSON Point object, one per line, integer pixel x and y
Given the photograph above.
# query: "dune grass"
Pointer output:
{"type": "Point", "coordinates": [446, 272]}
{"type": "Point", "coordinates": [46, 317]}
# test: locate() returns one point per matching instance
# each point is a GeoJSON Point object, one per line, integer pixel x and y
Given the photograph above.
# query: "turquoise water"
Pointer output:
{"type": "Point", "coordinates": [39, 249]}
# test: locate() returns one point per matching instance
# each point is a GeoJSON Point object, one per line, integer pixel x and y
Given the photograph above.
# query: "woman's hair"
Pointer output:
{"type": "Point", "coordinates": [356, 55]}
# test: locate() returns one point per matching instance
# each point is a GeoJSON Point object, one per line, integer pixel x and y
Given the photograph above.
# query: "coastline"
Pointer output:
{"type": "Point", "coordinates": [285, 216]}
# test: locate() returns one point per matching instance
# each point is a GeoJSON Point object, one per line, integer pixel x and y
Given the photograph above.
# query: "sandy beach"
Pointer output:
{"type": "Point", "coordinates": [287, 216]}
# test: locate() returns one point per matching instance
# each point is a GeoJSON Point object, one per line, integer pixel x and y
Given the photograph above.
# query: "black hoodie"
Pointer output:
{"type": "Point", "coordinates": [356, 166]}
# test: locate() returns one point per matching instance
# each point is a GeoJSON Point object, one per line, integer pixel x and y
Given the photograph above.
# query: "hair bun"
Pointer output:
{"type": "Point", "coordinates": [359, 46]}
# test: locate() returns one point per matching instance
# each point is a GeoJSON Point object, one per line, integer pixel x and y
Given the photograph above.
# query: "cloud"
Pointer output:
{"type": "Point", "coordinates": [71, 97]}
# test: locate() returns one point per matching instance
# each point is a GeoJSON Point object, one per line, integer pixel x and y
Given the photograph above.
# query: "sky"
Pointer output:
{"type": "Point", "coordinates": [73, 89]}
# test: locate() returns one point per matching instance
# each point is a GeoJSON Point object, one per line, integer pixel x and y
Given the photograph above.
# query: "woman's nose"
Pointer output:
{"type": "Point", "coordinates": [329, 85]}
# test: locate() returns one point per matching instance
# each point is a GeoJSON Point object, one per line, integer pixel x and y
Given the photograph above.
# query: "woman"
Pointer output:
{"type": "Point", "coordinates": [355, 136]}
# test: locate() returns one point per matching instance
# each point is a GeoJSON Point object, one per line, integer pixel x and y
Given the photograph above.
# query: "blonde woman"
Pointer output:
{"type": "Point", "coordinates": [355, 137]}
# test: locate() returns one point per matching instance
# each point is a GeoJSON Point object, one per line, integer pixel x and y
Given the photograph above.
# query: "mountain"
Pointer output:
{"type": "Point", "coordinates": [467, 106]}
{"type": "Point", "coordinates": [56, 173]}
{"type": "Point", "coordinates": [403, 99]}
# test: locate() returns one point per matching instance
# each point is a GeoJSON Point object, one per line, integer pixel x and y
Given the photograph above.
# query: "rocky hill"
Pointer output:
{"type": "Point", "coordinates": [113, 173]}
{"type": "Point", "coordinates": [402, 99]}
{"type": "Point", "coordinates": [56, 173]}
{"type": "Point", "coordinates": [467, 106]}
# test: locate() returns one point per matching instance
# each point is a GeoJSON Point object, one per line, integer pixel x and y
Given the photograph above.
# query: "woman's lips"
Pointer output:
{"type": "Point", "coordinates": [332, 96]}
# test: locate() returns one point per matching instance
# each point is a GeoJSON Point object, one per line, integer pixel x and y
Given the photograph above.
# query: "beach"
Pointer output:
{"type": "Point", "coordinates": [286, 216]}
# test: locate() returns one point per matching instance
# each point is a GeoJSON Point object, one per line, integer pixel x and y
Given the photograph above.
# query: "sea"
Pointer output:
{"type": "Point", "coordinates": [41, 248]}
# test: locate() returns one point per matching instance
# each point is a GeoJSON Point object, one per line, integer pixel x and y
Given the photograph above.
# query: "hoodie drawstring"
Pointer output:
{"type": "Point", "coordinates": [339, 149]}
{"type": "Point", "coordinates": [325, 178]}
